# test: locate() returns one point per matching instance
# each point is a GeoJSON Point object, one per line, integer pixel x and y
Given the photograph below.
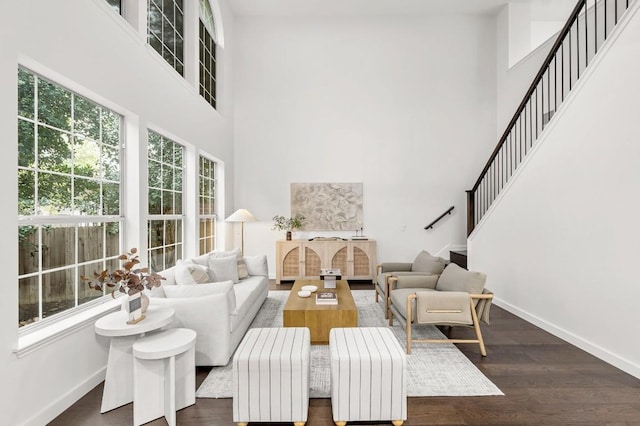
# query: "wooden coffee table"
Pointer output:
{"type": "Point", "coordinates": [304, 312]}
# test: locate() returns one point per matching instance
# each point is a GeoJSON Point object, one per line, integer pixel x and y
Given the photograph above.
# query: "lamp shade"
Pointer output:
{"type": "Point", "coordinates": [241, 215]}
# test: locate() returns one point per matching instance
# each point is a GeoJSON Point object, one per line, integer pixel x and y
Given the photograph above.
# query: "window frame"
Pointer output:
{"type": "Point", "coordinates": [212, 194]}
{"type": "Point", "coordinates": [179, 218]}
{"type": "Point", "coordinates": [207, 57]}
{"type": "Point", "coordinates": [132, 176]}
{"type": "Point", "coordinates": [116, 5]}
{"type": "Point", "coordinates": [74, 221]}
{"type": "Point", "coordinates": [160, 46]}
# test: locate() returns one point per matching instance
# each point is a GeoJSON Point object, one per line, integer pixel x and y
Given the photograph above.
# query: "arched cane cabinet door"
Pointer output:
{"type": "Point", "coordinates": [360, 263]}
{"type": "Point", "coordinates": [336, 256]}
{"type": "Point", "coordinates": [339, 260]}
{"type": "Point", "coordinates": [312, 262]}
{"type": "Point", "coordinates": [363, 259]}
{"type": "Point", "coordinates": [288, 260]}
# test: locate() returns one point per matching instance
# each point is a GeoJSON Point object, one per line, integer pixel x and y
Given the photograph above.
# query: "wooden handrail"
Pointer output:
{"type": "Point", "coordinates": [449, 210]}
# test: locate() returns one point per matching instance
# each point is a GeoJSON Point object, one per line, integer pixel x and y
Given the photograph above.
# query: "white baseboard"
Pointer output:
{"type": "Point", "coordinates": [56, 407]}
{"type": "Point", "coordinates": [595, 350]}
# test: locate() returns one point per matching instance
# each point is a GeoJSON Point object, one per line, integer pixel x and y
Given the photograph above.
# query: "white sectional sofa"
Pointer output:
{"type": "Point", "coordinates": [218, 307]}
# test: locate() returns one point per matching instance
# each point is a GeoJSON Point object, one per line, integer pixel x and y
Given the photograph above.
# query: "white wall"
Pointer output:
{"type": "Point", "coordinates": [560, 246]}
{"type": "Point", "coordinates": [513, 80]}
{"type": "Point", "coordinates": [90, 47]}
{"type": "Point", "coordinates": [530, 24]}
{"type": "Point", "coordinates": [547, 18]}
{"type": "Point", "coordinates": [405, 105]}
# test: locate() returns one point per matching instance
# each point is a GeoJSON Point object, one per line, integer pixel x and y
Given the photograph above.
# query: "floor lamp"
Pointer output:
{"type": "Point", "coordinates": [242, 216]}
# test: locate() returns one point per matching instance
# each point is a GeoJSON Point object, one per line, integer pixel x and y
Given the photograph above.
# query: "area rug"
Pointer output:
{"type": "Point", "coordinates": [433, 369]}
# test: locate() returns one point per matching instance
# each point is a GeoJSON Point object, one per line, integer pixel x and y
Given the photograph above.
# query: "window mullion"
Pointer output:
{"type": "Point", "coordinates": [40, 276]}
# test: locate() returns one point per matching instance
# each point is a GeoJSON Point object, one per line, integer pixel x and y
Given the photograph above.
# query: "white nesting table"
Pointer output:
{"type": "Point", "coordinates": [118, 384]}
{"type": "Point", "coordinates": [164, 368]}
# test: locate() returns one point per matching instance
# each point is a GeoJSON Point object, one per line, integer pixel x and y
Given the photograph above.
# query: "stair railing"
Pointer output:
{"type": "Point", "coordinates": [449, 210]}
{"type": "Point", "coordinates": [587, 28]}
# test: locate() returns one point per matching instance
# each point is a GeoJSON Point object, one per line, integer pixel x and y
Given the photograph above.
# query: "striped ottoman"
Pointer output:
{"type": "Point", "coordinates": [368, 375]}
{"type": "Point", "coordinates": [271, 376]}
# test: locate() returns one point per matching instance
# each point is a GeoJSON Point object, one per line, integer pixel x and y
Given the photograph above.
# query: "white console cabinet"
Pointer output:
{"type": "Point", "coordinates": [303, 259]}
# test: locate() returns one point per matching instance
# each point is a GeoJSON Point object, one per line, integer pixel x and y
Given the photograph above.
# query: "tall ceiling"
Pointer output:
{"type": "Point", "coordinates": [369, 7]}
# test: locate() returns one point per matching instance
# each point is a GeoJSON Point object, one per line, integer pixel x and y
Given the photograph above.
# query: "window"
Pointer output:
{"type": "Point", "coordinates": [69, 184]}
{"type": "Point", "coordinates": [207, 53]}
{"type": "Point", "coordinates": [207, 198]}
{"type": "Point", "coordinates": [166, 31]}
{"type": "Point", "coordinates": [116, 5]}
{"type": "Point", "coordinates": [166, 165]}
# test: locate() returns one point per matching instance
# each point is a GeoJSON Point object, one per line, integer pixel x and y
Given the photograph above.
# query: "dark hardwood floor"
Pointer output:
{"type": "Point", "coordinates": [546, 381]}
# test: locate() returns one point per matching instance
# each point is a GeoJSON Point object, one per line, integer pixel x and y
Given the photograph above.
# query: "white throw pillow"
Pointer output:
{"type": "Point", "coordinates": [257, 265]}
{"type": "Point", "coordinates": [231, 253]}
{"type": "Point", "coordinates": [187, 291]}
{"type": "Point", "coordinates": [223, 269]}
{"type": "Point", "coordinates": [189, 273]}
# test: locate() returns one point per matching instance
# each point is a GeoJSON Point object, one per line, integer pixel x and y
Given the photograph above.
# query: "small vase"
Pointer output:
{"type": "Point", "coordinates": [145, 302]}
{"type": "Point", "coordinates": [288, 235]}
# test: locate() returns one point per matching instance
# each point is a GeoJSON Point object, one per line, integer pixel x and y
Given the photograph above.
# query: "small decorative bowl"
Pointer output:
{"type": "Point", "coordinates": [304, 293]}
{"type": "Point", "coordinates": [309, 288]}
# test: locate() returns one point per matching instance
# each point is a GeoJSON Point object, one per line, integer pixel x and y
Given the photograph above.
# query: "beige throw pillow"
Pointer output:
{"type": "Point", "coordinates": [243, 273]}
{"type": "Point", "coordinates": [188, 273]}
{"type": "Point", "coordinates": [455, 278]}
{"type": "Point", "coordinates": [428, 264]}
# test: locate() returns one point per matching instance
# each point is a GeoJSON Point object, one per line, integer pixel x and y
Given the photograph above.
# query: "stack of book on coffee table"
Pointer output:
{"type": "Point", "coordinates": [326, 298]}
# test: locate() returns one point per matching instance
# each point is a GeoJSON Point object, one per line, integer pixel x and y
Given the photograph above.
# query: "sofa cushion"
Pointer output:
{"type": "Point", "coordinates": [257, 265]}
{"type": "Point", "coordinates": [455, 278]}
{"type": "Point", "coordinates": [187, 291]}
{"type": "Point", "coordinates": [443, 307]}
{"type": "Point", "coordinates": [247, 292]}
{"type": "Point", "coordinates": [424, 262]}
{"type": "Point", "coordinates": [417, 281]}
{"type": "Point", "coordinates": [203, 259]}
{"type": "Point", "coordinates": [231, 253]}
{"type": "Point", "coordinates": [189, 273]}
{"type": "Point", "coordinates": [382, 282]}
{"type": "Point", "coordinates": [399, 299]}
{"type": "Point", "coordinates": [395, 266]}
{"type": "Point", "coordinates": [223, 268]}
{"type": "Point", "coordinates": [243, 273]}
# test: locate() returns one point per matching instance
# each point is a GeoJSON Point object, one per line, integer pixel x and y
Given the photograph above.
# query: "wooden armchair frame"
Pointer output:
{"type": "Point", "coordinates": [474, 315]}
{"type": "Point", "coordinates": [387, 289]}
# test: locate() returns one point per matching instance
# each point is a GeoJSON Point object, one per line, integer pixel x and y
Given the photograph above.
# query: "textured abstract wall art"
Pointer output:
{"type": "Point", "coordinates": [328, 206]}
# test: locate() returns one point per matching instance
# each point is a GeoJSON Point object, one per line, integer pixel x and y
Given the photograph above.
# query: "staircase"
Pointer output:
{"type": "Point", "coordinates": [583, 35]}
{"type": "Point", "coordinates": [459, 257]}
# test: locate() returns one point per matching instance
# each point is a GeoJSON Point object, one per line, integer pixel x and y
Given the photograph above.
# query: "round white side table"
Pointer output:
{"type": "Point", "coordinates": [118, 384]}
